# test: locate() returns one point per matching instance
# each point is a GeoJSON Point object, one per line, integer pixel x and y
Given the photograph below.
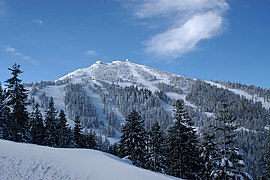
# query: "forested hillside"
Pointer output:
{"type": "Point", "coordinates": [102, 103]}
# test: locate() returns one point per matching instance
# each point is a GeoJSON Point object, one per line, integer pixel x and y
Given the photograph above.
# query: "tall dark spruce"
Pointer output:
{"type": "Point", "coordinates": [2, 120]}
{"type": "Point", "coordinates": [77, 133]}
{"type": "Point", "coordinates": [5, 121]}
{"type": "Point", "coordinates": [50, 125]}
{"type": "Point", "coordinates": [183, 156]}
{"type": "Point", "coordinates": [16, 99]}
{"type": "Point", "coordinates": [156, 146]}
{"type": "Point", "coordinates": [229, 164]}
{"type": "Point", "coordinates": [208, 155]}
{"type": "Point", "coordinates": [37, 128]}
{"type": "Point", "coordinates": [63, 132]}
{"type": "Point", "coordinates": [133, 141]}
{"type": "Point", "coordinates": [90, 140]}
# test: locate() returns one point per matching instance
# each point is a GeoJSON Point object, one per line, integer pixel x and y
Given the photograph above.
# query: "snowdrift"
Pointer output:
{"type": "Point", "coordinates": [27, 161]}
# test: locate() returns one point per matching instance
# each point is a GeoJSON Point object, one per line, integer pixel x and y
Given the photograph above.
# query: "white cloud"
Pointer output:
{"type": "Point", "coordinates": [15, 52]}
{"type": "Point", "coordinates": [90, 53]}
{"type": "Point", "coordinates": [189, 23]}
{"type": "Point", "coordinates": [38, 21]}
{"type": "Point", "coordinates": [179, 40]}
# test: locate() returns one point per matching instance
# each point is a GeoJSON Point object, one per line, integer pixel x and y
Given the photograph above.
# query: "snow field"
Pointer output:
{"type": "Point", "coordinates": [27, 161]}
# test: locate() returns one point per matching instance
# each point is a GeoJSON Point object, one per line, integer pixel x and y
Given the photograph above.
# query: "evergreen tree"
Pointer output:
{"type": "Point", "coordinates": [132, 143]}
{"type": "Point", "coordinates": [16, 99]}
{"type": "Point", "coordinates": [229, 164]}
{"type": "Point", "coordinates": [208, 155]}
{"type": "Point", "coordinates": [77, 133]}
{"type": "Point", "coordinates": [72, 143]}
{"type": "Point", "coordinates": [156, 161]}
{"type": "Point", "coordinates": [90, 140]}
{"type": "Point", "coordinates": [50, 125]}
{"type": "Point", "coordinates": [2, 120]}
{"type": "Point", "coordinates": [2, 96]}
{"type": "Point", "coordinates": [37, 128]}
{"type": "Point", "coordinates": [5, 120]}
{"type": "Point", "coordinates": [64, 139]}
{"type": "Point", "coordinates": [183, 156]}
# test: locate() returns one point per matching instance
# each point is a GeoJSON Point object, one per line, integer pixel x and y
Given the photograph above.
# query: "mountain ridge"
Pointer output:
{"type": "Point", "coordinates": [84, 72]}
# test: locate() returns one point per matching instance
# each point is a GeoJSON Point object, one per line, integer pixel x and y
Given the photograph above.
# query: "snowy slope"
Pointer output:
{"type": "Point", "coordinates": [57, 93]}
{"type": "Point", "coordinates": [243, 93]}
{"type": "Point", "coordinates": [27, 161]}
{"type": "Point", "coordinates": [125, 73]}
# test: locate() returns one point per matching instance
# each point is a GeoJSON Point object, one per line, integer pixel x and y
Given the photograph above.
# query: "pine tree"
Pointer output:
{"type": "Point", "coordinates": [50, 125]}
{"type": "Point", "coordinates": [183, 156]}
{"type": "Point", "coordinates": [37, 128]}
{"type": "Point", "coordinates": [132, 143]}
{"type": "Point", "coordinates": [16, 99]}
{"type": "Point", "coordinates": [156, 146]}
{"type": "Point", "coordinates": [2, 120]}
{"type": "Point", "coordinates": [2, 96]}
{"type": "Point", "coordinates": [229, 164]}
{"type": "Point", "coordinates": [77, 133]}
{"type": "Point", "coordinates": [5, 121]}
{"type": "Point", "coordinates": [90, 140]}
{"type": "Point", "coordinates": [208, 155]}
{"type": "Point", "coordinates": [64, 139]}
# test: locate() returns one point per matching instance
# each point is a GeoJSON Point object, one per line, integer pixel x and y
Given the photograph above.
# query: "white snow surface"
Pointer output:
{"type": "Point", "coordinates": [27, 161]}
{"type": "Point", "coordinates": [117, 71]}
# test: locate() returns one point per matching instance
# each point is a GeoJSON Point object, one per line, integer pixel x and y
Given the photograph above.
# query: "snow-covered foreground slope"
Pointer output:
{"type": "Point", "coordinates": [26, 161]}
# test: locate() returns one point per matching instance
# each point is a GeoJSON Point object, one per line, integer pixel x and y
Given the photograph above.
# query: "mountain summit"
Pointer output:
{"type": "Point", "coordinates": [125, 73]}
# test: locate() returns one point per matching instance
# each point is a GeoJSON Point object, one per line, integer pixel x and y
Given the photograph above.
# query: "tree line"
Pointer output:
{"type": "Point", "coordinates": [16, 124]}
{"type": "Point", "coordinates": [180, 151]}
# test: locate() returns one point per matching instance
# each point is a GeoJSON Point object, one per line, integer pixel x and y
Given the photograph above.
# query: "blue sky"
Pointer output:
{"type": "Point", "coordinates": [206, 39]}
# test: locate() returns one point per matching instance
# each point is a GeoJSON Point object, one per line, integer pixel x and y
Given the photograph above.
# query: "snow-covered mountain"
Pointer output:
{"type": "Point", "coordinates": [96, 79]}
{"type": "Point", "coordinates": [102, 85]}
{"type": "Point", "coordinates": [103, 94]}
{"type": "Point", "coordinates": [27, 161]}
